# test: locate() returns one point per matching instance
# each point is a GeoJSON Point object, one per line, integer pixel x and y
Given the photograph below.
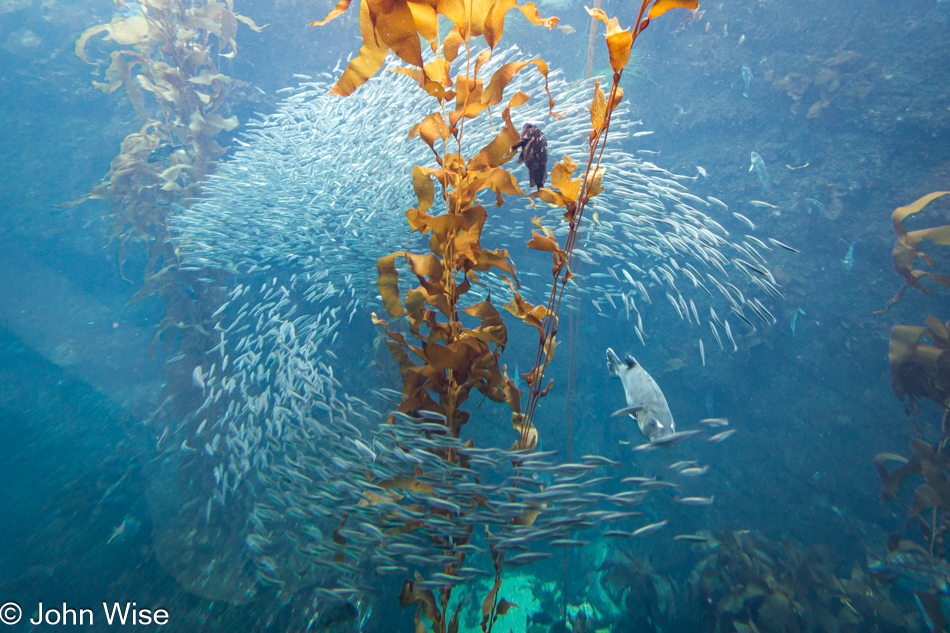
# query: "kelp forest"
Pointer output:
{"type": "Point", "coordinates": [475, 315]}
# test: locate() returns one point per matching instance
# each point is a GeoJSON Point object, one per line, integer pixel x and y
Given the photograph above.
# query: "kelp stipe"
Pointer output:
{"type": "Point", "coordinates": [452, 358]}
{"type": "Point", "coordinates": [168, 68]}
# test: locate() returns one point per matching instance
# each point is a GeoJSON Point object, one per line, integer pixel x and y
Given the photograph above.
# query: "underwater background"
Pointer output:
{"type": "Point", "coordinates": [106, 494]}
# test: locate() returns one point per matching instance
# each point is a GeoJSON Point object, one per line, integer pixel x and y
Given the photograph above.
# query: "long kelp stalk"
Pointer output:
{"type": "Point", "coordinates": [441, 359]}
{"type": "Point", "coordinates": [574, 194]}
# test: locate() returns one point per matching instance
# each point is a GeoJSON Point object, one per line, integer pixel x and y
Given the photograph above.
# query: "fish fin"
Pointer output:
{"type": "Point", "coordinates": [627, 411]}
{"type": "Point", "coordinates": [630, 361]}
{"type": "Point", "coordinates": [613, 363]}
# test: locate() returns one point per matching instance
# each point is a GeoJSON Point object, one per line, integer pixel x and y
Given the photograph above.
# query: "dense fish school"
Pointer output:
{"type": "Point", "coordinates": [319, 489]}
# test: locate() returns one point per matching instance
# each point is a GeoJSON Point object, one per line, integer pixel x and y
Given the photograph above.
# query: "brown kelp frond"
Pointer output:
{"type": "Point", "coordinates": [397, 25]}
{"type": "Point", "coordinates": [452, 348]}
{"type": "Point", "coordinates": [167, 67]}
{"type": "Point", "coordinates": [920, 362]}
{"type": "Point", "coordinates": [749, 583]}
{"type": "Point", "coordinates": [907, 249]}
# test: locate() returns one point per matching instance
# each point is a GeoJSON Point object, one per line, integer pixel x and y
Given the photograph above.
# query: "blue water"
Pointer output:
{"type": "Point", "coordinates": [849, 107]}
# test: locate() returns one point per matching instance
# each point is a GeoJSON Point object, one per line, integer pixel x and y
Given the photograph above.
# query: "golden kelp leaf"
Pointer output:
{"type": "Point", "coordinates": [367, 62]}
{"type": "Point", "coordinates": [80, 49]}
{"type": "Point", "coordinates": [547, 243]}
{"type": "Point", "coordinates": [173, 172]}
{"type": "Point", "coordinates": [338, 10]}
{"type": "Point", "coordinates": [389, 284]}
{"type": "Point", "coordinates": [482, 310]}
{"type": "Point", "coordinates": [466, 14]}
{"type": "Point", "coordinates": [561, 178]}
{"type": "Point", "coordinates": [891, 482]}
{"type": "Point", "coordinates": [595, 183]}
{"type": "Point", "coordinates": [530, 439]}
{"type": "Point", "coordinates": [433, 88]}
{"type": "Point", "coordinates": [214, 123]}
{"type": "Point", "coordinates": [250, 23]}
{"type": "Point", "coordinates": [617, 98]}
{"type": "Point", "coordinates": [528, 517]}
{"type": "Point", "coordinates": [431, 129]}
{"type": "Point", "coordinates": [499, 151]}
{"type": "Point", "coordinates": [439, 70]}
{"type": "Point", "coordinates": [488, 603]}
{"type": "Point", "coordinates": [423, 186]}
{"type": "Point", "coordinates": [502, 181]}
{"type": "Point", "coordinates": [495, 20]}
{"type": "Point", "coordinates": [549, 196]}
{"type": "Point", "coordinates": [414, 301]}
{"type": "Point", "coordinates": [426, 600]}
{"type": "Point", "coordinates": [153, 283]}
{"type": "Point", "coordinates": [931, 466]}
{"type": "Point", "coordinates": [444, 357]}
{"type": "Point", "coordinates": [206, 77]}
{"type": "Point", "coordinates": [435, 295]}
{"type": "Point", "coordinates": [939, 330]}
{"type": "Point", "coordinates": [127, 32]}
{"type": "Point", "coordinates": [440, 225]}
{"type": "Point", "coordinates": [427, 265]}
{"type": "Point", "coordinates": [662, 6]}
{"type": "Point", "coordinates": [426, 19]}
{"type": "Point", "coordinates": [451, 44]}
{"type": "Point", "coordinates": [405, 482]}
{"type": "Point", "coordinates": [483, 58]}
{"type": "Point", "coordinates": [503, 76]}
{"type": "Point", "coordinates": [906, 251]}
{"type": "Point", "coordinates": [598, 107]}
{"type": "Point", "coordinates": [504, 606]}
{"type": "Point", "coordinates": [530, 314]}
{"type": "Point", "coordinates": [619, 41]}
{"type": "Point", "coordinates": [496, 259]}
{"type": "Point", "coordinates": [397, 29]}
{"type": "Point", "coordinates": [925, 498]}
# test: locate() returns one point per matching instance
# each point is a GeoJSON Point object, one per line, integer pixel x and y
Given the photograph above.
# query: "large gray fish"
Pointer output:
{"type": "Point", "coordinates": [746, 79]}
{"type": "Point", "coordinates": [758, 166]}
{"type": "Point", "coordinates": [653, 413]}
{"type": "Point", "coordinates": [534, 154]}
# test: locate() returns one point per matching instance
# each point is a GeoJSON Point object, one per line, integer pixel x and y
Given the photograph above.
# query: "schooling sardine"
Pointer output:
{"type": "Point", "coordinates": [653, 413]}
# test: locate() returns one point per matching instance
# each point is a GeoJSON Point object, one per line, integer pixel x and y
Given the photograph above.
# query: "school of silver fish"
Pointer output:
{"type": "Point", "coordinates": [300, 214]}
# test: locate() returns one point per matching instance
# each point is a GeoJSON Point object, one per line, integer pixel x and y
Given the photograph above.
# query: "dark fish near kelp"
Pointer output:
{"type": "Point", "coordinates": [162, 153]}
{"type": "Point", "coordinates": [534, 154]}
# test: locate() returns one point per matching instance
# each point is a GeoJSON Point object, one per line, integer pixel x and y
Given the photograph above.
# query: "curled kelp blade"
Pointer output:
{"type": "Point", "coordinates": [907, 248]}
